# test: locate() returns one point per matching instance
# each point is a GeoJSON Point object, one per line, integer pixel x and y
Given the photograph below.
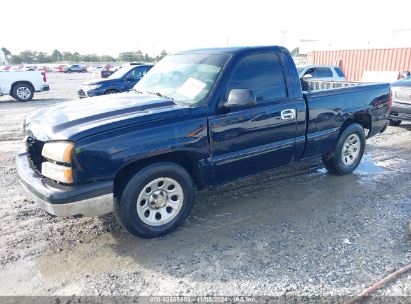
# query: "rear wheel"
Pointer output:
{"type": "Point", "coordinates": [394, 122]}
{"type": "Point", "coordinates": [23, 92]}
{"type": "Point", "coordinates": [155, 201]}
{"type": "Point", "coordinates": [69, 71]}
{"type": "Point", "coordinates": [348, 151]}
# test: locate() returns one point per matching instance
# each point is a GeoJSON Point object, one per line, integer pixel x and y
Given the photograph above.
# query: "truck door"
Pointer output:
{"type": "Point", "coordinates": [245, 141]}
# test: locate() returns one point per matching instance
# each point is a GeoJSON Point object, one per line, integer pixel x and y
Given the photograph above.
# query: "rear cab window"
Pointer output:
{"type": "Point", "coordinates": [261, 73]}
{"type": "Point", "coordinates": [323, 72]}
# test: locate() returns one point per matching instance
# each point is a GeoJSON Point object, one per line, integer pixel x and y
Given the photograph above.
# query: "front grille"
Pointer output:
{"type": "Point", "coordinates": [34, 148]}
{"type": "Point", "coordinates": [403, 96]}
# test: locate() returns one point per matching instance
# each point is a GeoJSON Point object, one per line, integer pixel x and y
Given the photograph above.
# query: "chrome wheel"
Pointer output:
{"type": "Point", "coordinates": [160, 201]}
{"type": "Point", "coordinates": [23, 93]}
{"type": "Point", "coordinates": [351, 150]}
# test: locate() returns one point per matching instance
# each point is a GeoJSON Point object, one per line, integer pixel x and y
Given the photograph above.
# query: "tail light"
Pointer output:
{"type": "Point", "coordinates": [44, 76]}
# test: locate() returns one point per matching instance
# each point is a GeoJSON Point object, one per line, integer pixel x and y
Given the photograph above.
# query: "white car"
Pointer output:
{"type": "Point", "coordinates": [21, 85]}
{"type": "Point", "coordinates": [321, 72]}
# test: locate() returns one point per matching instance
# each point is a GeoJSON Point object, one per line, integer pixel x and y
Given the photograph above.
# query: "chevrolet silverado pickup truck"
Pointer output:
{"type": "Point", "coordinates": [21, 85]}
{"type": "Point", "coordinates": [197, 119]}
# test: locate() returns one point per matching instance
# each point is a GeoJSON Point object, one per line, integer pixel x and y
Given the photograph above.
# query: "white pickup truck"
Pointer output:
{"type": "Point", "coordinates": [21, 85]}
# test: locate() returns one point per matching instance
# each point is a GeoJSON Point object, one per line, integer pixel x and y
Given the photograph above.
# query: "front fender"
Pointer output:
{"type": "Point", "coordinates": [102, 156]}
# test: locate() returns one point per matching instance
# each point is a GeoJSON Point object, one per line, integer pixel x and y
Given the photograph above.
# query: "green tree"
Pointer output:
{"type": "Point", "coordinates": [75, 57]}
{"type": "Point", "coordinates": [162, 55]}
{"type": "Point", "coordinates": [28, 56]}
{"type": "Point", "coordinates": [128, 56]}
{"type": "Point", "coordinates": [5, 51]}
{"type": "Point", "coordinates": [16, 59]}
{"type": "Point", "coordinates": [43, 57]}
{"type": "Point", "coordinates": [56, 56]}
{"type": "Point", "coordinates": [107, 58]}
{"type": "Point", "coordinates": [67, 56]}
{"type": "Point", "coordinates": [295, 52]}
{"type": "Point", "coordinates": [90, 58]}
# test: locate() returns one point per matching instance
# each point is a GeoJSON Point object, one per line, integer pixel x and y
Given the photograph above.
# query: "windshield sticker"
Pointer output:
{"type": "Point", "coordinates": [191, 88]}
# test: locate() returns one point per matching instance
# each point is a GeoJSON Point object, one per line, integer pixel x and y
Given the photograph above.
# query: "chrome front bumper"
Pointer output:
{"type": "Point", "coordinates": [92, 199]}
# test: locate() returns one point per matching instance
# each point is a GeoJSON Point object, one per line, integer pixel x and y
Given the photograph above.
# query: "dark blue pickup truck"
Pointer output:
{"type": "Point", "coordinates": [197, 119]}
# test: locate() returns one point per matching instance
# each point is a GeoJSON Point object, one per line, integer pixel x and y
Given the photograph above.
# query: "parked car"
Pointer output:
{"type": "Point", "coordinates": [323, 72]}
{"type": "Point", "coordinates": [29, 67]}
{"type": "Point", "coordinates": [75, 68]}
{"type": "Point", "coordinates": [103, 71]}
{"type": "Point", "coordinates": [401, 101]}
{"type": "Point", "coordinates": [21, 85]}
{"type": "Point", "coordinates": [5, 68]}
{"type": "Point", "coordinates": [197, 119]}
{"type": "Point", "coordinates": [122, 80]}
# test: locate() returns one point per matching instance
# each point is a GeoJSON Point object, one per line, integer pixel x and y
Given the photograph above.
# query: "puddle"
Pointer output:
{"type": "Point", "coordinates": [368, 166]}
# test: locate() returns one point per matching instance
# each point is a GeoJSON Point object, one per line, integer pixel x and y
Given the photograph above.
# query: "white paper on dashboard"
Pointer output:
{"type": "Point", "coordinates": [191, 88]}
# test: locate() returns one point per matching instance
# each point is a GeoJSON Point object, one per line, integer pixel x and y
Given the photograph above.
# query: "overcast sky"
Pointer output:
{"type": "Point", "coordinates": [110, 27]}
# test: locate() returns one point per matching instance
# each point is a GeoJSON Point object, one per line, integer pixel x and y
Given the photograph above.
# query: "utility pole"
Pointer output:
{"type": "Point", "coordinates": [283, 37]}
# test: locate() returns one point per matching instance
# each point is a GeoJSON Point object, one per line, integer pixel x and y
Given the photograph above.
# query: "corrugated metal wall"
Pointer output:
{"type": "Point", "coordinates": [354, 62]}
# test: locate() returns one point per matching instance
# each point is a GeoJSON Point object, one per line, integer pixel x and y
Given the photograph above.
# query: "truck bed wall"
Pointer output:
{"type": "Point", "coordinates": [328, 110]}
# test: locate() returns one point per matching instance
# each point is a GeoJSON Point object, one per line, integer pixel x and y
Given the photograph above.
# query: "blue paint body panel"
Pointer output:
{"type": "Point", "coordinates": [111, 132]}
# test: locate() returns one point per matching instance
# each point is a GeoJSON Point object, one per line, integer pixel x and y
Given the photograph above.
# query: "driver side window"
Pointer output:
{"type": "Point", "coordinates": [261, 73]}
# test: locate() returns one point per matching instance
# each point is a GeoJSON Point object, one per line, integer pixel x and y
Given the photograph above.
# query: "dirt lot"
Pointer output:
{"type": "Point", "coordinates": [291, 231]}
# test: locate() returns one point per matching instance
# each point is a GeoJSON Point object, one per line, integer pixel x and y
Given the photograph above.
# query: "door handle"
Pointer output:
{"type": "Point", "coordinates": [288, 114]}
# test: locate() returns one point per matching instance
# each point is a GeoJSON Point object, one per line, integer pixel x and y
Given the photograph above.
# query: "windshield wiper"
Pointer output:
{"type": "Point", "coordinates": [137, 91]}
{"type": "Point", "coordinates": [160, 95]}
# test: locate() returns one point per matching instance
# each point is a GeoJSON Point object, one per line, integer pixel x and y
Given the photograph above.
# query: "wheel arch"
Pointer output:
{"type": "Point", "coordinates": [185, 159]}
{"type": "Point", "coordinates": [21, 82]}
{"type": "Point", "coordinates": [363, 119]}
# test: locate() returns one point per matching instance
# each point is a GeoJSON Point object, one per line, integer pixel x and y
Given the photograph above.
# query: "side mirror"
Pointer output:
{"type": "Point", "coordinates": [240, 98]}
{"type": "Point", "coordinates": [307, 76]}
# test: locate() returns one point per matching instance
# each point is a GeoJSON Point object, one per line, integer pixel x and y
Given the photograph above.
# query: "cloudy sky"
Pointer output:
{"type": "Point", "coordinates": [110, 27]}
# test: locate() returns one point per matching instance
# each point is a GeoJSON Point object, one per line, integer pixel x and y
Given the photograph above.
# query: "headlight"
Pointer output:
{"type": "Point", "coordinates": [92, 87]}
{"type": "Point", "coordinates": [57, 172]}
{"type": "Point", "coordinates": [59, 151]}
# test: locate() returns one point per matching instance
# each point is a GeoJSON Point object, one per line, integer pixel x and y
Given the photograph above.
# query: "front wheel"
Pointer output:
{"type": "Point", "coordinates": [348, 151]}
{"type": "Point", "coordinates": [395, 123]}
{"type": "Point", "coordinates": [155, 201]}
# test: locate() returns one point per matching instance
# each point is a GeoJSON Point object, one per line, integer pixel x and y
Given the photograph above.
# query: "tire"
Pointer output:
{"type": "Point", "coordinates": [146, 209]}
{"type": "Point", "coordinates": [68, 71]}
{"type": "Point", "coordinates": [395, 123]}
{"type": "Point", "coordinates": [23, 92]}
{"type": "Point", "coordinates": [111, 92]}
{"type": "Point", "coordinates": [348, 151]}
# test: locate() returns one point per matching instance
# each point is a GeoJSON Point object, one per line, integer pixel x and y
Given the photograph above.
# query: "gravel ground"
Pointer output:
{"type": "Point", "coordinates": [292, 231]}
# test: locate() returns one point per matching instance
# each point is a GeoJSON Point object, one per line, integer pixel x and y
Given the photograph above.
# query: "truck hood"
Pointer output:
{"type": "Point", "coordinates": [99, 81]}
{"type": "Point", "coordinates": [74, 120]}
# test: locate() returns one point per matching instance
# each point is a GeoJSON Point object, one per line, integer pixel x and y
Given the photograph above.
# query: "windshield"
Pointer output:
{"type": "Point", "coordinates": [185, 78]}
{"type": "Point", "coordinates": [120, 72]}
